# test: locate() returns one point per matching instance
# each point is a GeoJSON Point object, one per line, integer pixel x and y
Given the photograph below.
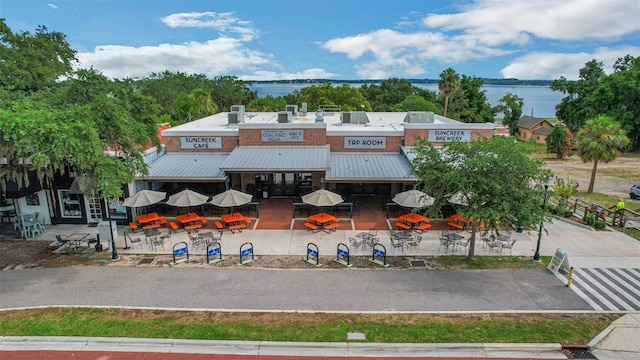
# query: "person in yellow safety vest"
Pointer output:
{"type": "Point", "coordinates": [619, 212]}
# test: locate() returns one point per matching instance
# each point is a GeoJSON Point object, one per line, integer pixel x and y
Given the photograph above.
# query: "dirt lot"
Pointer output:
{"type": "Point", "coordinates": [614, 178]}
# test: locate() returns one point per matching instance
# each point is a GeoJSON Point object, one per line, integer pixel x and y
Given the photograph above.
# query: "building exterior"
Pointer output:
{"type": "Point", "coordinates": [533, 128]}
{"type": "Point", "coordinates": [292, 152]}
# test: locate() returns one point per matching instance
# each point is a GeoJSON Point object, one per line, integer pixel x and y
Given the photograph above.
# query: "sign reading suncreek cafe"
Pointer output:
{"type": "Point", "coordinates": [449, 135]}
{"type": "Point", "coordinates": [282, 135]}
{"type": "Point", "coordinates": [200, 142]}
{"type": "Point", "coordinates": [365, 142]}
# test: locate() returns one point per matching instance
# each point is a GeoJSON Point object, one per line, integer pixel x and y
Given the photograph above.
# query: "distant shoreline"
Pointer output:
{"type": "Point", "coordinates": [413, 81]}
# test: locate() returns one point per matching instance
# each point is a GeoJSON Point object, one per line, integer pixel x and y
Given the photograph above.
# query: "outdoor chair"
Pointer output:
{"type": "Point", "coordinates": [508, 245]}
{"type": "Point", "coordinates": [464, 243]}
{"type": "Point", "coordinates": [396, 244]}
{"type": "Point", "coordinates": [61, 240]}
{"type": "Point", "coordinates": [497, 245]}
{"type": "Point", "coordinates": [414, 242]}
{"type": "Point", "coordinates": [446, 242]}
{"type": "Point", "coordinates": [355, 243]}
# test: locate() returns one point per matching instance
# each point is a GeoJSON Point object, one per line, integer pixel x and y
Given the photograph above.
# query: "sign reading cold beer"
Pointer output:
{"type": "Point", "coordinates": [200, 142]}
{"type": "Point", "coordinates": [449, 135]}
{"type": "Point", "coordinates": [365, 142]}
{"type": "Point", "coordinates": [282, 135]}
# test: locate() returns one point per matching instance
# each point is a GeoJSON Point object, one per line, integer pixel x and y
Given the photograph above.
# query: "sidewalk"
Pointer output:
{"type": "Point", "coordinates": [585, 248]}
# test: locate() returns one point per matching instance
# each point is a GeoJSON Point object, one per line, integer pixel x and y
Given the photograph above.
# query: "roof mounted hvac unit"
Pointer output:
{"type": "Point", "coordinates": [237, 108]}
{"type": "Point", "coordinates": [284, 117]}
{"type": "Point", "coordinates": [354, 117]}
{"type": "Point", "coordinates": [293, 109]}
{"type": "Point", "coordinates": [303, 110]}
{"type": "Point", "coordinates": [319, 117]}
{"type": "Point", "coordinates": [234, 117]}
{"type": "Point", "coordinates": [424, 117]}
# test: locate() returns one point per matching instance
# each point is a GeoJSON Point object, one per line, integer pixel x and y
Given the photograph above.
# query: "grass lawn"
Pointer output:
{"type": "Point", "coordinates": [298, 327]}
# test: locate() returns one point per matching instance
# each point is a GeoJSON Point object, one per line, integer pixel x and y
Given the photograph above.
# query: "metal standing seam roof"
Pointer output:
{"type": "Point", "coordinates": [351, 166]}
{"type": "Point", "coordinates": [278, 158]}
{"type": "Point", "coordinates": [188, 166]}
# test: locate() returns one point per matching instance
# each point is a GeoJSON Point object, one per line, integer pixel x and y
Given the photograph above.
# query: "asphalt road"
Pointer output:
{"type": "Point", "coordinates": [313, 290]}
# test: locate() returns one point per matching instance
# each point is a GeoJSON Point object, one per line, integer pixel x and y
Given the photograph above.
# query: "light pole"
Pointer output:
{"type": "Point", "coordinates": [536, 256]}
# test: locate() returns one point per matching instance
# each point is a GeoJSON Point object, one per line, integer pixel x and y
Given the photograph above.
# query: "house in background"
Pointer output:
{"type": "Point", "coordinates": [533, 128]}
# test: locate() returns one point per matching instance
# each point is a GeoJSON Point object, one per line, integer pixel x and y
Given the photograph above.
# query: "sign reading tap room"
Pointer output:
{"type": "Point", "coordinates": [200, 142]}
{"type": "Point", "coordinates": [282, 135]}
{"type": "Point", "coordinates": [449, 135]}
{"type": "Point", "coordinates": [365, 142]}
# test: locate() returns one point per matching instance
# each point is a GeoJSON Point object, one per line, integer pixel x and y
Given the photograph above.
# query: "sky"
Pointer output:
{"type": "Point", "coordinates": [338, 39]}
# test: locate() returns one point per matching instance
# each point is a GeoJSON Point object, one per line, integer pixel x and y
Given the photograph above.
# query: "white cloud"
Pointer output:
{"type": "Point", "coordinates": [547, 65]}
{"type": "Point", "coordinates": [495, 22]}
{"type": "Point", "coordinates": [214, 57]}
{"type": "Point", "coordinates": [223, 22]}
{"type": "Point", "coordinates": [490, 28]}
{"type": "Point", "coordinates": [315, 73]}
{"type": "Point", "coordinates": [406, 54]}
{"type": "Point", "coordinates": [53, 6]}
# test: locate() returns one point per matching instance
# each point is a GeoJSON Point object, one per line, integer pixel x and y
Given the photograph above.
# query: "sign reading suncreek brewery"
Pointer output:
{"type": "Point", "coordinates": [365, 142]}
{"type": "Point", "coordinates": [282, 135]}
{"type": "Point", "coordinates": [200, 142]}
{"type": "Point", "coordinates": [449, 135]}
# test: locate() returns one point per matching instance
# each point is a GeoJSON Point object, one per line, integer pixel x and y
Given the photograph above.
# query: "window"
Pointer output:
{"type": "Point", "coordinates": [69, 204]}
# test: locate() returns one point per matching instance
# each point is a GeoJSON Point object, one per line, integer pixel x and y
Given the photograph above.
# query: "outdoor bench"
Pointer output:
{"type": "Point", "coordinates": [402, 225]}
{"type": "Point", "coordinates": [311, 227]}
{"type": "Point", "coordinates": [332, 226]}
{"type": "Point", "coordinates": [455, 225]}
{"type": "Point", "coordinates": [238, 227]}
{"type": "Point", "coordinates": [423, 227]}
{"type": "Point", "coordinates": [220, 226]}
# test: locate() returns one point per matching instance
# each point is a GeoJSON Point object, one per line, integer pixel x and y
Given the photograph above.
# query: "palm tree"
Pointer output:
{"type": "Point", "coordinates": [449, 82]}
{"type": "Point", "coordinates": [601, 139]}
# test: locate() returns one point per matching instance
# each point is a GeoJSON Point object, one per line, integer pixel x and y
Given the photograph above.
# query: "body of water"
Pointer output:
{"type": "Point", "coordinates": [539, 101]}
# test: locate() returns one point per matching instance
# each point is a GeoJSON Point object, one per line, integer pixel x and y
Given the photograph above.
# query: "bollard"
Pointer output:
{"type": "Point", "coordinates": [570, 277]}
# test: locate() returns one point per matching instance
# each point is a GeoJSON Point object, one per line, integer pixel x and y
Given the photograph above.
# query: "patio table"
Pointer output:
{"type": "Point", "coordinates": [322, 219]}
{"type": "Point", "coordinates": [77, 239]}
{"type": "Point", "coordinates": [148, 218]}
{"type": "Point", "coordinates": [188, 218]}
{"type": "Point", "coordinates": [232, 219]}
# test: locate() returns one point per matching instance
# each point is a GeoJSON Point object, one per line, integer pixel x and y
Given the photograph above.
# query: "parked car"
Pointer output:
{"type": "Point", "coordinates": [635, 191]}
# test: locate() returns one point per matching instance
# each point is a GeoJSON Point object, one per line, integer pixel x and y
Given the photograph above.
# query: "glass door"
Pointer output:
{"type": "Point", "coordinates": [277, 184]}
{"type": "Point", "coordinates": [95, 209]}
{"type": "Point", "coordinates": [289, 184]}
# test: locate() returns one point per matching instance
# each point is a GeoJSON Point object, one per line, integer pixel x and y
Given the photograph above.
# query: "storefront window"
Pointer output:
{"type": "Point", "coordinates": [69, 204]}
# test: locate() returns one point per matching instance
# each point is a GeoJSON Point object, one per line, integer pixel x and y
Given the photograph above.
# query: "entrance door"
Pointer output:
{"type": "Point", "coordinates": [95, 209]}
{"type": "Point", "coordinates": [277, 184]}
{"type": "Point", "coordinates": [289, 184]}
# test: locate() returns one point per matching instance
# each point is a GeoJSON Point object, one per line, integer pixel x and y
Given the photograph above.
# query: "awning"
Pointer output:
{"type": "Point", "coordinates": [185, 166]}
{"type": "Point", "coordinates": [277, 159]}
{"type": "Point", "coordinates": [369, 167]}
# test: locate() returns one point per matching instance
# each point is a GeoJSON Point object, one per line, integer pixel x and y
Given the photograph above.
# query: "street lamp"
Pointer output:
{"type": "Point", "coordinates": [536, 256]}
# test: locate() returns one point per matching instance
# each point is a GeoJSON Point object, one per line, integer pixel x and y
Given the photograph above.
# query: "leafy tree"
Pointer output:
{"type": "Point", "coordinates": [31, 62]}
{"type": "Point", "coordinates": [415, 103]}
{"type": "Point", "coordinates": [470, 104]}
{"type": "Point", "coordinates": [600, 139]}
{"type": "Point", "coordinates": [166, 87]}
{"type": "Point", "coordinates": [491, 174]}
{"type": "Point", "coordinates": [618, 96]}
{"type": "Point", "coordinates": [348, 97]}
{"type": "Point", "coordinates": [448, 84]}
{"type": "Point", "coordinates": [195, 105]}
{"type": "Point", "coordinates": [229, 90]}
{"type": "Point", "coordinates": [575, 108]}
{"type": "Point", "coordinates": [391, 92]}
{"type": "Point", "coordinates": [268, 103]}
{"type": "Point", "coordinates": [510, 105]}
{"type": "Point", "coordinates": [560, 141]}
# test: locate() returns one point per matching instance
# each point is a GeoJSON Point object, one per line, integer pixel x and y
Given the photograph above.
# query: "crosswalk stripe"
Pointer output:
{"type": "Point", "coordinates": [630, 291]}
{"type": "Point", "coordinates": [607, 288]}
